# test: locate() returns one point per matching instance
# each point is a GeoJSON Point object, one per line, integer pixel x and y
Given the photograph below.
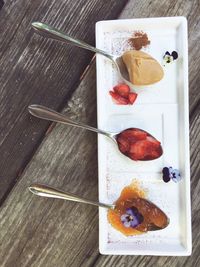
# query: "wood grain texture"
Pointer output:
{"type": "Point", "coordinates": [1, 4]}
{"type": "Point", "coordinates": [36, 232]}
{"type": "Point", "coordinates": [191, 10]}
{"type": "Point", "coordinates": [36, 70]}
{"type": "Point", "coordinates": [54, 232]}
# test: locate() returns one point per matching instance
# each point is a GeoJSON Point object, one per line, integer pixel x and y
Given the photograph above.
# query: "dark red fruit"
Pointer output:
{"type": "Point", "coordinates": [138, 149]}
{"type": "Point", "coordinates": [123, 144]}
{"type": "Point", "coordinates": [122, 95]}
{"type": "Point", "coordinates": [139, 145]}
{"type": "Point", "coordinates": [154, 142]}
{"type": "Point", "coordinates": [134, 135]}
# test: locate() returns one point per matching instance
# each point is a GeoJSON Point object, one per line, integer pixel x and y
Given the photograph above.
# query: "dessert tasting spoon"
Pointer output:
{"type": "Point", "coordinates": [50, 32]}
{"type": "Point", "coordinates": [143, 146]}
{"type": "Point", "coordinates": [50, 192]}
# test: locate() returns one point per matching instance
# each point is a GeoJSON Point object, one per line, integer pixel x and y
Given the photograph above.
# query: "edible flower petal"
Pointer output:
{"type": "Point", "coordinates": [174, 55]}
{"type": "Point", "coordinates": [176, 176]}
{"type": "Point", "coordinates": [169, 173]}
{"type": "Point", "coordinates": [132, 217]}
{"type": "Point", "coordinates": [169, 58]}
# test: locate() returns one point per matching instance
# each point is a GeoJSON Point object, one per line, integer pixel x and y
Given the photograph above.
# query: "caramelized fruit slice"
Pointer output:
{"type": "Point", "coordinates": [134, 197]}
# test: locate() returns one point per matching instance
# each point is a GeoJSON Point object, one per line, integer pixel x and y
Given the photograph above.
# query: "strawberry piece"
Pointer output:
{"type": "Point", "coordinates": [154, 155]}
{"type": "Point", "coordinates": [139, 145]}
{"type": "Point", "coordinates": [133, 156]}
{"type": "Point", "coordinates": [134, 135]}
{"type": "Point", "coordinates": [123, 144]}
{"type": "Point", "coordinates": [137, 150]}
{"type": "Point", "coordinates": [119, 99]}
{"type": "Point", "coordinates": [153, 152]}
{"type": "Point", "coordinates": [153, 141]}
{"type": "Point", "coordinates": [132, 97]}
{"type": "Point", "coordinates": [122, 90]}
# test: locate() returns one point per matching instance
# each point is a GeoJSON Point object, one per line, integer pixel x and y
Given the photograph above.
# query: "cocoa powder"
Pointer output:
{"type": "Point", "coordinates": [139, 40]}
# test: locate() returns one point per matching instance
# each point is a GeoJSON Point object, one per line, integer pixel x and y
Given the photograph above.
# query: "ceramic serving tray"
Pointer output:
{"type": "Point", "coordinates": [162, 110]}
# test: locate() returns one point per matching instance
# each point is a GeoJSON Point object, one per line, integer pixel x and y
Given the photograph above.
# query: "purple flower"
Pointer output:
{"type": "Point", "coordinates": [176, 176]}
{"type": "Point", "coordinates": [166, 174]}
{"type": "Point", "coordinates": [174, 55]}
{"type": "Point", "coordinates": [132, 217]}
{"type": "Point", "coordinates": [171, 174]}
{"type": "Point", "coordinates": [168, 58]}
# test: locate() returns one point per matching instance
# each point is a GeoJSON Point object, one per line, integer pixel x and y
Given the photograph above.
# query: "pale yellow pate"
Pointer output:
{"type": "Point", "coordinates": [143, 69]}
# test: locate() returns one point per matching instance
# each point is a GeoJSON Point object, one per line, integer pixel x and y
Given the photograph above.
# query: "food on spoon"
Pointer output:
{"type": "Point", "coordinates": [139, 145]}
{"type": "Point", "coordinates": [122, 95]}
{"type": "Point", "coordinates": [133, 214]}
{"type": "Point", "coordinates": [143, 69]}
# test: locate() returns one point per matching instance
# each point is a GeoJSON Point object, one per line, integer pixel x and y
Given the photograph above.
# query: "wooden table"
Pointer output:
{"type": "Point", "coordinates": [34, 231]}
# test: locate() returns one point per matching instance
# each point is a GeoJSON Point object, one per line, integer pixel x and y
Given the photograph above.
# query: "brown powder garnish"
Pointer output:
{"type": "Point", "coordinates": [139, 40]}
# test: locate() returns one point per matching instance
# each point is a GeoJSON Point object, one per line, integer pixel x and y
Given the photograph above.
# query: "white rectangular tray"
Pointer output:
{"type": "Point", "coordinates": [162, 110]}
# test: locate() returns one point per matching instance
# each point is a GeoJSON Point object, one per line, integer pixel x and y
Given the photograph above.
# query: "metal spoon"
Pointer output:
{"type": "Point", "coordinates": [47, 191]}
{"type": "Point", "coordinates": [45, 113]}
{"type": "Point", "coordinates": [51, 32]}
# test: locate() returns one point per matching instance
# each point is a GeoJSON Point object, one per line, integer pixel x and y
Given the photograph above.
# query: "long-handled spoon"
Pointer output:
{"type": "Point", "coordinates": [49, 114]}
{"type": "Point", "coordinates": [47, 191]}
{"type": "Point", "coordinates": [53, 33]}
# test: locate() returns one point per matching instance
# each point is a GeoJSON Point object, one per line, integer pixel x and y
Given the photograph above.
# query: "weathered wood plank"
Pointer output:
{"type": "Point", "coordinates": [56, 233]}
{"type": "Point", "coordinates": [1, 4]}
{"type": "Point", "coordinates": [33, 229]}
{"type": "Point", "coordinates": [33, 69]}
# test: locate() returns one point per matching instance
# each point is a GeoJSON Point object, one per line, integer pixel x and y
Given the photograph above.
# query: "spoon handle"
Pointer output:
{"type": "Point", "coordinates": [53, 33]}
{"type": "Point", "coordinates": [47, 191]}
{"type": "Point", "coordinates": [45, 113]}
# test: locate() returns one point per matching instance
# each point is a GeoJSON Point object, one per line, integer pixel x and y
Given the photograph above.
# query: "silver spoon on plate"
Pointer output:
{"type": "Point", "coordinates": [50, 192]}
{"type": "Point", "coordinates": [53, 33]}
{"type": "Point", "coordinates": [45, 113]}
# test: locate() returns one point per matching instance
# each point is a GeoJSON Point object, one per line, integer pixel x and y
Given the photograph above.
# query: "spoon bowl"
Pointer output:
{"type": "Point", "coordinates": [53, 33]}
{"type": "Point", "coordinates": [45, 113]}
{"type": "Point", "coordinates": [50, 192]}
